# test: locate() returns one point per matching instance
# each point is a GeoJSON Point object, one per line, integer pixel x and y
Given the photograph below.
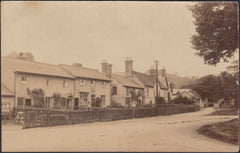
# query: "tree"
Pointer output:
{"type": "Point", "coordinates": [37, 95]}
{"type": "Point", "coordinates": [234, 69]}
{"type": "Point", "coordinates": [217, 30]}
{"type": "Point", "coordinates": [213, 87]}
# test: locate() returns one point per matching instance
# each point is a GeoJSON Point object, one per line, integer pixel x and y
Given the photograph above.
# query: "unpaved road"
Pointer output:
{"type": "Point", "coordinates": [174, 133]}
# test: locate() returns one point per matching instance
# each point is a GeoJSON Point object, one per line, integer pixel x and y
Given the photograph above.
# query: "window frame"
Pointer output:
{"type": "Point", "coordinates": [24, 79]}
{"type": "Point", "coordinates": [93, 83]}
{"type": "Point", "coordinates": [82, 82]}
{"type": "Point", "coordinates": [114, 93]}
{"type": "Point", "coordinates": [65, 83]}
{"type": "Point", "coordinates": [49, 82]}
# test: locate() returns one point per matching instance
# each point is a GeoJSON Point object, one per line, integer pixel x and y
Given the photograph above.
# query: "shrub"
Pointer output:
{"type": "Point", "coordinates": [159, 100]}
{"type": "Point", "coordinates": [182, 100]}
{"type": "Point", "coordinates": [116, 105]}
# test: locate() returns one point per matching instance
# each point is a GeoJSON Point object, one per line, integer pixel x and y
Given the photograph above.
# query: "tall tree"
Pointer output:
{"type": "Point", "coordinates": [217, 30]}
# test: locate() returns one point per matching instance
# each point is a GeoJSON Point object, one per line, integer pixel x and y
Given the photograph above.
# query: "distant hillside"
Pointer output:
{"type": "Point", "coordinates": [178, 81]}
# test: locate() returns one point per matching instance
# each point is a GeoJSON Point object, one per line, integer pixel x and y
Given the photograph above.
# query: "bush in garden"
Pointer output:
{"type": "Point", "coordinates": [159, 100]}
{"type": "Point", "coordinates": [182, 100]}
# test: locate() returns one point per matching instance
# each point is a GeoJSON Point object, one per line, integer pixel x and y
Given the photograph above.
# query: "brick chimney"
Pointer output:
{"type": "Point", "coordinates": [128, 67]}
{"type": "Point", "coordinates": [77, 64]}
{"type": "Point", "coordinates": [107, 69]}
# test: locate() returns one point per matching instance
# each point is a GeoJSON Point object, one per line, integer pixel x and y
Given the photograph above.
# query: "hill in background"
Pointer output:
{"type": "Point", "coordinates": [178, 81]}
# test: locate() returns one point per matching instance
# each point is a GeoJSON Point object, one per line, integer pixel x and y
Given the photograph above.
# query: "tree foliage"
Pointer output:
{"type": "Point", "coordinates": [214, 87]}
{"type": "Point", "coordinates": [182, 100]}
{"type": "Point", "coordinates": [217, 30]}
{"type": "Point", "coordinates": [37, 95]}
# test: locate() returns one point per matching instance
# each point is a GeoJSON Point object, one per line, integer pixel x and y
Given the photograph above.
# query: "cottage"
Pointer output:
{"type": "Point", "coordinates": [125, 91]}
{"type": "Point", "coordinates": [146, 84]}
{"type": "Point", "coordinates": [91, 88]}
{"type": "Point", "coordinates": [37, 84]}
{"type": "Point", "coordinates": [162, 83]}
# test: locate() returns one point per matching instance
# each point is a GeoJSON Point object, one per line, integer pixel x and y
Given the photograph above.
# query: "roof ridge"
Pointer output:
{"type": "Point", "coordinates": [37, 62]}
{"type": "Point", "coordinates": [80, 67]}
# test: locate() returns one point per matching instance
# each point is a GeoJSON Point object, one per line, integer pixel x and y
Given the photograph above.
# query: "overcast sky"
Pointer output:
{"type": "Point", "coordinates": [88, 32]}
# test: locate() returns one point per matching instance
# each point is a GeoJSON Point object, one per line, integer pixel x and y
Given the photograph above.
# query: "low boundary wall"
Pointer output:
{"type": "Point", "coordinates": [37, 118]}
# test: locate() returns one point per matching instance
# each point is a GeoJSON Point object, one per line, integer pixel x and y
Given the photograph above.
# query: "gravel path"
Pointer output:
{"type": "Point", "coordinates": [174, 133]}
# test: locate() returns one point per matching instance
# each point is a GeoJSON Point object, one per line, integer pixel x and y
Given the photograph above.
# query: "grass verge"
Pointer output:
{"type": "Point", "coordinates": [225, 112]}
{"type": "Point", "coordinates": [224, 131]}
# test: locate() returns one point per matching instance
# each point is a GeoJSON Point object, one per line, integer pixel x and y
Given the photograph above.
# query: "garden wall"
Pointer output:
{"type": "Point", "coordinates": [35, 118]}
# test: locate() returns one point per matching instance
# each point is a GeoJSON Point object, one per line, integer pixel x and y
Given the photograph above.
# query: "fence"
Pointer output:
{"type": "Point", "coordinates": [35, 118]}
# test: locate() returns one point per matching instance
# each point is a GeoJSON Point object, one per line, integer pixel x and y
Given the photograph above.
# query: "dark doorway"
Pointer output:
{"type": "Point", "coordinates": [76, 103]}
{"type": "Point", "coordinates": [93, 100]}
{"type": "Point", "coordinates": [28, 102]}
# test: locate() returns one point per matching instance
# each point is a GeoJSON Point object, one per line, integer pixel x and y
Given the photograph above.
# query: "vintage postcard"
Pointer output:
{"type": "Point", "coordinates": [119, 76]}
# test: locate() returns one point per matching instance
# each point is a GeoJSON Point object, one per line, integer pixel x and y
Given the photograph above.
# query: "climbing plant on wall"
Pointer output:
{"type": "Point", "coordinates": [37, 96]}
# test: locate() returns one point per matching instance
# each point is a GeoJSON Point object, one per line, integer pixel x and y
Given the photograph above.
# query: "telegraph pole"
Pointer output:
{"type": "Point", "coordinates": [156, 78]}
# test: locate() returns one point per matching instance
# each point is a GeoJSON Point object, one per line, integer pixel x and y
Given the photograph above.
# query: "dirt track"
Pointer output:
{"type": "Point", "coordinates": [174, 133]}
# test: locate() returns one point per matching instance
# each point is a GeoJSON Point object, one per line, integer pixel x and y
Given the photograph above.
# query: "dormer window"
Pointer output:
{"type": "Point", "coordinates": [24, 79]}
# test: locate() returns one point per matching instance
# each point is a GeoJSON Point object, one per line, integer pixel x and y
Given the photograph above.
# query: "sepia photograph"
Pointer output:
{"type": "Point", "coordinates": [119, 76]}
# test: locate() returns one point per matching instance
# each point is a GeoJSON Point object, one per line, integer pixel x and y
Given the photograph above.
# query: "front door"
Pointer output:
{"type": "Point", "coordinates": [93, 100]}
{"type": "Point", "coordinates": [76, 103]}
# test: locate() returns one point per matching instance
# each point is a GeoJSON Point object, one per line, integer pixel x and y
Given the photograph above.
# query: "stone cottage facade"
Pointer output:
{"type": "Point", "coordinates": [22, 77]}
{"type": "Point", "coordinates": [91, 88]}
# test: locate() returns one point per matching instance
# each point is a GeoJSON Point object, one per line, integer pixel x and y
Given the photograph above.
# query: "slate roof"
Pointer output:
{"type": "Point", "coordinates": [5, 91]}
{"type": "Point", "coordinates": [125, 81]}
{"type": "Point", "coordinates": [189, 91]}
{"type": "Point", "coordinates": [18, 65]}
{"type": "Point", "coordinates": [144, 78]}
{"type": "Point", "coordinates": [82, 72]}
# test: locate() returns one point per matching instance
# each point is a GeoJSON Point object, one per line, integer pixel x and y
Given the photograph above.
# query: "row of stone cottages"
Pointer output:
{"type": "Point", "coordinates": [24, 83]}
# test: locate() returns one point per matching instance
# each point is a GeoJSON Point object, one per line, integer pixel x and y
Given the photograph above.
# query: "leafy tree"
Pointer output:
{"type": "Point", "coordinates": [234, 69]}
{"type": "Point", "coordinates": [218, 87]}
{"type": "Point", "coordinates": [182, 100]}
{"type": "Point", "coordinates": [217, 30]}
{"type": "Point", "coordinates": [37, 95]}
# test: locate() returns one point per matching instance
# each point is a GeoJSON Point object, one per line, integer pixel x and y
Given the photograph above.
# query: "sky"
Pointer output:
{"type": "Point", "coordinates": [89, 32]}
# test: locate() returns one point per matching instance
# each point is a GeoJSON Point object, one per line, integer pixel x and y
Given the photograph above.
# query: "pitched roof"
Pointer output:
{"type": "Point", "coordinates": [18, 65]}
{"type": "Point", "coordinates": [5, 91]}
{"type": "Point", "coordinates": [125, 81]}
{"type": "Point", "coordinates": [144, 78]}
{"type": "Point", "coordinates": [189, 91]}
{"type": "Point", "coordinates": [82, 72]}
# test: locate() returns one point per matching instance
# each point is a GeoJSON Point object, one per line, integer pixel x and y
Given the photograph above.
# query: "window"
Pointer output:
{"type": "Point", "coordinates": [114, 91]}
{"type": "Point", "coordinates": [82, 82]}
{"type": "Point", "coordinates": [93, 100]}
{"type": "Point", "coordinates": [65, 84]}
{"type": "Point", "coordinates": [24, 79]}
{"type": "Point", "coordinates": [48, 102]}
{"type": "Point", "coordinates": [20, 101]}
{"type": "Point", "coordinates": [92, 83]}
{"type": "Point", "coordinates": [49, 82]}
{"type": "Point", "coordinates": [28, 102]}
{"type": "Point", "coordinates": [5, 107]}
{"type": "Point", "coordinates": [147, 91]}
{"type": "Point", "coordinates": [103, 84]}
{"type": "Point", "coordinates": [103, 100]}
